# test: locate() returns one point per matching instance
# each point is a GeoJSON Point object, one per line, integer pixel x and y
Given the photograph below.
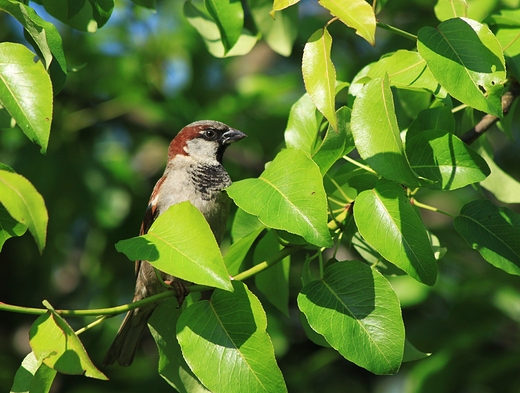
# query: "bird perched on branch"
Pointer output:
{"type": "Point", "coordinates": [194, 173]}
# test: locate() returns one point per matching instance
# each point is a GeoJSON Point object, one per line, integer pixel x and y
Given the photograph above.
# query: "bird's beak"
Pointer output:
{"type": "Point", "coordinates": [232, 136]}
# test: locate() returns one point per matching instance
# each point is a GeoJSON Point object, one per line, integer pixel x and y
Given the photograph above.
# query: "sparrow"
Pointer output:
{"type": "Point", "coordinates": [194, 173]}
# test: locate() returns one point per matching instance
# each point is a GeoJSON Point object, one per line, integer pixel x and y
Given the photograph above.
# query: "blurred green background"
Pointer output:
{"type": "Point", "coordinates": [131, 87]}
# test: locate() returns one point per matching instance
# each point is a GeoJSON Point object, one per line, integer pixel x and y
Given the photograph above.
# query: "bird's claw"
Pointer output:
{"type": "Point", "coordinates": [181, 289]}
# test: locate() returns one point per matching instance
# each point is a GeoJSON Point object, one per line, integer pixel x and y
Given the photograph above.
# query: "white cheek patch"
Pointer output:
{"type": "Point", "coordinates": [201, 147]}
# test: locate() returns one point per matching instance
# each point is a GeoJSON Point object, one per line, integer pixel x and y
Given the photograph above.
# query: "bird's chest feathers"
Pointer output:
{"type": "Point", "coordinates": [199, 183]}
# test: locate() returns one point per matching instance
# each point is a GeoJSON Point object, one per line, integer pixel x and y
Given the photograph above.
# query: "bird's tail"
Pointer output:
{"type": "Point", "coordinates": [127, 339]}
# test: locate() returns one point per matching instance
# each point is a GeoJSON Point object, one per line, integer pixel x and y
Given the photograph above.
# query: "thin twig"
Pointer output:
{"type": "Point", "coordinates": [489, 120]}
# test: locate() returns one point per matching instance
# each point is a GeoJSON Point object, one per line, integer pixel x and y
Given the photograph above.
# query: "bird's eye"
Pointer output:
{"type": "Point", "coordinates": [210, 134]}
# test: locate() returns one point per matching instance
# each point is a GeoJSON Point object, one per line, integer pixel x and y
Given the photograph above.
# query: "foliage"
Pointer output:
{"type": "Point", "coordinates": [332, 229]}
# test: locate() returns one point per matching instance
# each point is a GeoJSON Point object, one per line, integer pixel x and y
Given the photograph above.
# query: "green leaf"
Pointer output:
{"type": "Point", "coordinates": [33, 376]}
{"type": "Point", "coordinates": [210, 32]}
{"type": "Point", "coordinates": [238, 251]}
{"type": "Point", "coordinates": [504, 187]}
{"type": "Point", "coordinates": [467, 60]}
{"type": "Point", "coordinates": [279, 5]}
{"type": "Point", "coordinates": [180, 243]}
{"type": "Point", "coordinates": [9, 227]}
{"type": "Point", "coordinates": [509, 18]}
{"type": "Point", "coordinates": [26, 92]}
{"type": "Point", "coordinates": [24, 204]}
{"type": "Point", "coordinates": [376, 133]}
{"type": "Point", "coordinates": [319, 74]}
{"type": "Point", "coordinates": [442, 157]}
{"type": "Point", "coordinates": [509, 38]}
{"type": "Point", "coordinates": [44, 37]}
{"type": "Point", "coordinates": [55, 343]}
{"type": "Point", "coordinates": [358, 313]}
{"type": "Point", "coordinates": [493, 231]}
{"type": "Point", "coordinates": [411, 353]}
{"type": "Point", "coordinates": [303, 125]}
{"type": "Point", "coordinates": [84, 15]}
{"type": "Point", "coordinates": [288, 195]}
{"type": "Point", "coordinates": [280, 32]}
{"type": "Point", "coordinates": [357, 14]}
{"type": "Point", "coordinates": [473, 9]}
{"type": "Point", "coordinates": [229, 17]}
{"type": "Point", "coordinates": [244, 224]}
{"type": "Point", "coordinates": [438, 118]}
{"type": "Point", "coordinates": [273, 283]}
{"type": "Point", "coordinates": [224, 341]}
{"type": "Point", "coordinates": [336, 144]}
{"type": "Point", "coordinates": [172, 366]}
{"type": "Point", "coordinates": [388, 222]}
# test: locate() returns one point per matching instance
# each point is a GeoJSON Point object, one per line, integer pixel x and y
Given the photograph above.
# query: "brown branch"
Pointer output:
{"type": "Point", "coordinates": [488, 120]}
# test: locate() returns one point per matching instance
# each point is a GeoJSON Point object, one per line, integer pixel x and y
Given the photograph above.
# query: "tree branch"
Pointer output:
{"type": "Point", "coordinates": [489, 120]}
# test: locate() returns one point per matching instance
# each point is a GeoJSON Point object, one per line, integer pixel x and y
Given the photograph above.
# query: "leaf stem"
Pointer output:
{"type": "Point", "coordinates": [283, 253]}
{"type": "Point", "coordinates": [396, 31]}
{"type": "Point", "coordinates": [111, 311]}
{"type": "Point", "coordinates": [362, 166]}
{"type": "Point", "coordinates": [431, 208]}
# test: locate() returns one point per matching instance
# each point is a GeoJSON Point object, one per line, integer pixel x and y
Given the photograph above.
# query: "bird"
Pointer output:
{"type": "Point", "coordinates": [194, 173]}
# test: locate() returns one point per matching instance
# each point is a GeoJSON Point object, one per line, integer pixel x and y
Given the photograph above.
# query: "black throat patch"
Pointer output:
{"type": "Point", "coordinates": [209, 179]}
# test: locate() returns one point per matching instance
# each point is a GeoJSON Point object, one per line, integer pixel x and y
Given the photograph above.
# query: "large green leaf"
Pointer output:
{"type": "Point", "coordinates": [210, 32]}
{"type": "Point", "coordinates": [26, 92]}
{"type": "Point", "coordinates": [288, 195]}
{"type": "Point", "coordinates": [303, 125]}
{"type": "Point", "coordinates": [357, 14]}
{"type": "Point", "coordinates": [493, 231]}
{"type": "Point", "coordinates": [473, 9]}
{"type": "Point", "coordinates": [44, 37]}
{"type": "Point", "coordinates": [406, 70]}
{"type": "Point", "coordinates": [172, 366]}
{"type": "Point", "coordinates": [180, 243]}
{"type": "Point", "coordinates": [33, 376]}
{"type": "Point", "coordinates": [229, 17]}
{"type": "Point", "coordinates": [280, 32]}
{"type": "Point", "coordinates": [224, 341]}
{"type": "Point", "coordinates": [388, 222]}
{"type": "Point", "coordinates": [358, 313]}
{"type": "Point", "coordinates": [57, 346]}
{"type": "Point", "coordinates": [440, 156]}
{"type": "Point", "coordinates": [467, 60]}
{"type": "Point", "coordinates": [24, 204]}
{"type": "Point", "coordinates": [376, 133]}
{"type": "Point", "coordinates": [319, 74]}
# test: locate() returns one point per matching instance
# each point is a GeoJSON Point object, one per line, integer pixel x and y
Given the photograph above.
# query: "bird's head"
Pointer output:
{"type": "Point", "coordinates": [205, 139]}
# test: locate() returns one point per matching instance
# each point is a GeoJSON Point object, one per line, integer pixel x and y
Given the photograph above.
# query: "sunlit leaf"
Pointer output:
{"type": "Point", "coordinates": [288, 195]}
{"type": "Point", "coordinates": [358, 313]}
{"type": "Point", "coordinates": [24, 204]}
{"type": "Point", "coordinates": [9, 227]}
{"type": "Point", "coordinates": [302, 126]}
{"type": "Point", "coordinates": [229, 17]}
{"type": "Point", "coordinates": [279, 5]}
{"type": "Point", "coordinates": [33, 376]}
{"type": "Point", "coordinates": [26, 92]}
{"type": "Point", "coordinates": [467, 60]}
{"type": "Point", "coordinates": [376, 133]}
{"type": "Point", "coordinates": [387, 221]}
{"type": "Point", "coordinates": [319, 74]}
{"type": "Point", "coordinates": [55, 343]}
{"type": "Point", "coordinates": [180, 243]}
{"type": "Point", "coordinates": [44, 37]}
{"type": "Point", "coordinates": [357, 14]}
{"type": "Point", "coordinates": [224, 341]}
